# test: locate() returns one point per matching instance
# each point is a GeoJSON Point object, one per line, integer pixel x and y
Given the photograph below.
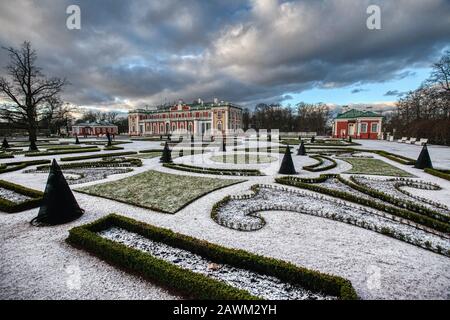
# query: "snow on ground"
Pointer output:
{"type": "Point", "coordinates": [440, 155]}
{"type": "Point", "coordinates": [36, 262]}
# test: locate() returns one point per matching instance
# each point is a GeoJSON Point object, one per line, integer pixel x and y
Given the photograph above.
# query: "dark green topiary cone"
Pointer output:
{"type": "Point", "coordinates": [166, 154]}
{"type": "Point", "coordinates": [301, 150]}
{"type": "Point", "coordinates": [58, 204]}
{"type": "Point", "coordinates": [287, 165]}
{"type": "Point", "coordinates": [424, 160]}
{"type": "Point", "coordinates": [5, 144]}
{"type": "Point", "coordinates": [76, 140]}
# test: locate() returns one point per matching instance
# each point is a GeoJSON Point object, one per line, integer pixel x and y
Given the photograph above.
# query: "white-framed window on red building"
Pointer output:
{"type": "Point", "coordinates": [363, 127]}
{"type": "Point", "coordinates": [374, 128]}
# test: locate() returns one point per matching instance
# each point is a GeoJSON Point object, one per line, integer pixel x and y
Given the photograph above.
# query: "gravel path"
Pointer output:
{"type": "Point", "coordinates": [13, 196]}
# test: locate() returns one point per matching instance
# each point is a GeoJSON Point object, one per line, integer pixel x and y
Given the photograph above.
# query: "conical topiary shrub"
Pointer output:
{"type": "Point", "coordinates": [350, 139]}
{"type": "Point", "coordinates": [313, 139]}
{"type": "Point", "coordinates": [108, 136]}
{"type": "Point", "coordinates": [58, 204]}
{"type": "Point", "coordinates": [287, 165]}
{"type": "Point", "coordinates": [33, 146]}
{"type": "Point", "coordinates": [424, 160]}
{"type": "Point", "coordinates": [301, 150]}
{"type": "Point", "coordinates": [5, 144]}
{"type": "Point", "coordinates": [166, 154]}
{"type": "Point", "coordinates": [76, 139]}
{"type": "Point", "coordinates": [224, 145]}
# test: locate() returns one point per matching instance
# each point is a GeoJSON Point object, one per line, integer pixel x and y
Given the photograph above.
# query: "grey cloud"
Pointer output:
{"type": "Point", "coordinates": [134, 52]}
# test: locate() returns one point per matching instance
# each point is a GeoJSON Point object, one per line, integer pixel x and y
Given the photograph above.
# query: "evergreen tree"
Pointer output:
{"type": "Point", "coordinates": [287, 165]}
{"type": "Point", "coordinates": [424, 160]}
{"type": "Point", "coordinates": [58, 204]}
{"type": "Point", "coordinates": [166, 154]}
{"type": "Point", "coordinates": [301, 149]}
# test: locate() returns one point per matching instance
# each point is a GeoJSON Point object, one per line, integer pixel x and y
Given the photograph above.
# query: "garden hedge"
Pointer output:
{"type": "Point", "coordinates": [317, 166]}
{"type": "Point", "coordinates": [6, 156]}
{"type": "Point", "coordinates": [194, 284]}
{"type": "Point", "coordinates": [402, 213]}
{"type": "Point", "coordinates": [96, 156]}
{"type": "Point", "coordinates": [444, 174]}
{"type": "Point", "coordinates": [113, 147]}
{"type": "Point", "coordinates": [57, 152]}
{"type": "Point", "coordinates": [98, 164]}
{"type": "Point", "coordinates": [12, 207]}
{"type": "Point", "coordinates": [408, 205]}
{"type": "Point", "coordinates": [218, 171]}
{"type": "Point", "coordinates": [19, 165]}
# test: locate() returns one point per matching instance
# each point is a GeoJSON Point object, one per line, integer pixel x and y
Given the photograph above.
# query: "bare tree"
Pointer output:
{"type": "Point", "coordinates": [27, 89]}
{"type": "Point", "coordinates": [441, 72]}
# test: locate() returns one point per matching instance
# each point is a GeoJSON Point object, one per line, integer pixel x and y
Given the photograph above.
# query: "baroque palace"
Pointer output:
{"type": "Point", "coordinates": [198, 118]}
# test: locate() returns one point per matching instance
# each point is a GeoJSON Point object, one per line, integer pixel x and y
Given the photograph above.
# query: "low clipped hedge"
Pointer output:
{"type": "Point", "coordinates": [444, 174]}
{"type": "Point", "coordinates": [57, 152]}
{"type": "Point", "coordinates": [113, 148]}
{"type": "Point", "coordinates": [6, 156]}
{"type": "Point", "coordinates": [317, 166]}
{"type": "Point", "coordinates": [195, 284]}
{"type": "Point", "coordinates": [97, 164]}
{"type": "Point", "coordinates": [12, 207]}
{"type": "Point", "coordinates": [19, 165]}
{"type": "Point", "coordinates": [97, 156]}
{"type": "Point", "coordinates": [396, 157]}
{"type": "Point", "coordinates": [218, 171]}
{"type": "Point", "coordinates": [150, 150]}
{"type": "Point", "coordinates": [409, 205]}
{"type": "Point", "coordinates": [402, 213]}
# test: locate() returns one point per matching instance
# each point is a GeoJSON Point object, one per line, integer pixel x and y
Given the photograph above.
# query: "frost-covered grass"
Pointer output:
{"type": "Point", "coordinates": [240, 158]}
{"type": "Point", "coordinates": [375, 167]}
{"type": "Point", "coordinates": [157, 190]}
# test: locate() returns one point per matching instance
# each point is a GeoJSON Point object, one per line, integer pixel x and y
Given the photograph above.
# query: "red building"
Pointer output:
{"type": "Point", "coordinates": [358, 124]}
{"type": "Point", "coordinates": [94, 129]}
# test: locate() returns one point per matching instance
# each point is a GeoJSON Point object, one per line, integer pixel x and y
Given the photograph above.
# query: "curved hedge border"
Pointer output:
{"type": "Point", "coordinates": [53, 153]}
{"type": "Point", "coordinates": [408, 205]}
{"type": "Point", "coordinates": [19, 165]}
{"type": "Point", "coordinates": [188, 282]}
{"type": "Point", "coordinates": [113, 148]}
{"type": "Point", "coordinates": [402, 213]}
{"type": "Point", "coordinates": [217, 171]}
{"type": "Point", "coordinates": [444, 174]}
{"type": "Point", "coordinates": [317, 166]}
{"type": "Point", "coordinates": [97, 156]}
{"type": "Point", "coordinates": [6, 156]}
{"type": "Point", "coordinates": [12, 207]}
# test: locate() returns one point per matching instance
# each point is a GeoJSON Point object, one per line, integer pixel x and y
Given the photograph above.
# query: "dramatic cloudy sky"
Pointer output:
{"type": "Point", "coordinates": [130, 53]}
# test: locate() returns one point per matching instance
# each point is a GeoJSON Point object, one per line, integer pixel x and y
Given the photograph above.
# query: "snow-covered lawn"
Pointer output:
{"type": "Point", "coordinates": [157, 190]}
{"type": "Point", "coordinates": [242, 158]}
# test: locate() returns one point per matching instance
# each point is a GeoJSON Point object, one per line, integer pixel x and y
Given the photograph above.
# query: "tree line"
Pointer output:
{"type": "Point", "coordinates": [425, 112]}
{"type": "Point", "coordinates": [304, 117]}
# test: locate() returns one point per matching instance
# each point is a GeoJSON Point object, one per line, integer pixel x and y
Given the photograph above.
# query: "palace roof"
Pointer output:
{"type": "Point", "coordinates": [353, 114]}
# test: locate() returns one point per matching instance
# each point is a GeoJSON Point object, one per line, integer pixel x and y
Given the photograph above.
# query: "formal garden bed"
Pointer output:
{"type": "Point", "coordinates": [423, 219]}
{"type": "Point", "coordinates": [396, 194]}
{"type": "Point", "coordinates": [16, 198]}
{"type": "Point", "coordinates": [63, 151]}
{"type": "Point", "coordinates": [324, 163]}
{"type": "Point", "coordinates": [98, 156]}
{"type": "Point", "coordinates": [243, 212]}
{"type": "Point", "coordinates": [372, 166]}
{"type": "Point", "coordinates": [158, 191]}
{"type": "Point", "coordinates": [217, 171]}
{"type": "Point", "coordinates": [243, 158]}
{"type": "Point", "coordinates": [200, 269]}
